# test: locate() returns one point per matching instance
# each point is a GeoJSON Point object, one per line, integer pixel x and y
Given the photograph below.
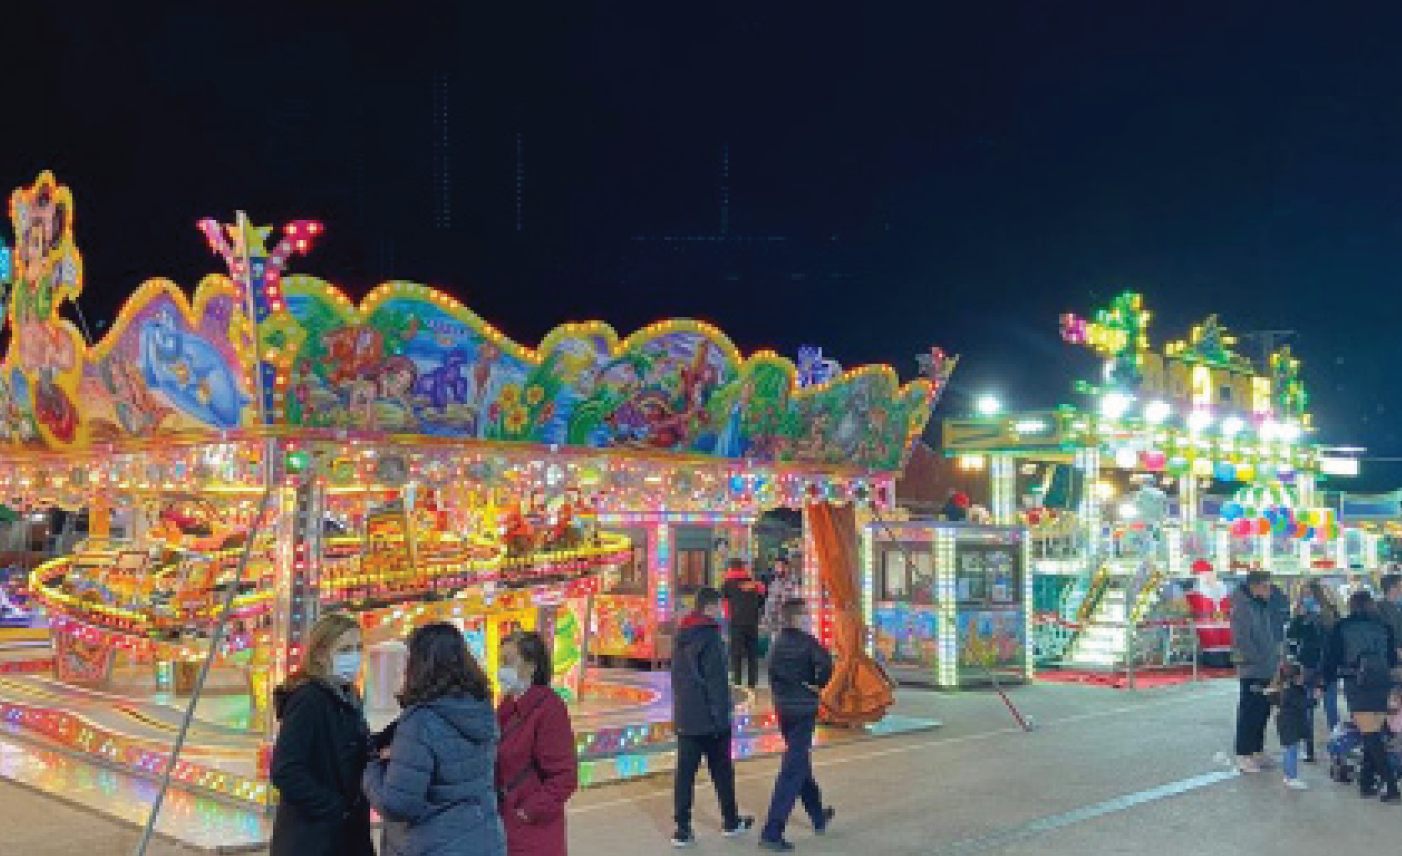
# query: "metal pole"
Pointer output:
{"type": "Point", "coordinates": [216, 639]}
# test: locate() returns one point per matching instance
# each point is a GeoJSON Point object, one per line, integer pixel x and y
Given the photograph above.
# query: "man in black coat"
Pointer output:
{"type": "Point", "coordinates": [744, 602]}
{"type": "Point", "coordinates": [799, 668]}
{"type": "Point", "coordinates": [701, 712]}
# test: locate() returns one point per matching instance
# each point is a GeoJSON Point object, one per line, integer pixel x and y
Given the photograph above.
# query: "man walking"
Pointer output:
{"type": "Point", "coordinates": [701, 713]}
{"type": "Point", "coordinates": [744, 601]}
{"type": "Point", "coordinates": [1257, 640]}
{"type": "Point", "coordinates": [799, 667]}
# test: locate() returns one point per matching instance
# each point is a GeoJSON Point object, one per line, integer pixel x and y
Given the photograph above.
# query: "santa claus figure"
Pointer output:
{"type": "Point", "coordinates": [1210, 605]}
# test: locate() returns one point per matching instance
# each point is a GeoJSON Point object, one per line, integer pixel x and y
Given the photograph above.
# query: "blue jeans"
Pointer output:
{"type": "Point", "coordinates": [795, 779]}
{"type": "Point", "coordinates": [1331, 710]}
{"type": "Point", "coordinates": [1291, 762]}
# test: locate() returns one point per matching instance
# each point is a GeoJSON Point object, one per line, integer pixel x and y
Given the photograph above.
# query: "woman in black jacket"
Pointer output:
{"type": "Point", "coordinates": [1362, 651]}
{"type": "Point", "coordinates": [322, 748]}
{"type": "Point", "coordinates": [1305, 639]}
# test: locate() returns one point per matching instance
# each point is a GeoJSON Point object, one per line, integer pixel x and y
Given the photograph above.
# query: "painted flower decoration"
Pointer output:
{"type": "Point", "coordinates": [534, 394]}
{"type": "Point", "coordinates": [515, 419]}
{"type": "Point", "coordinates": [510, 396]}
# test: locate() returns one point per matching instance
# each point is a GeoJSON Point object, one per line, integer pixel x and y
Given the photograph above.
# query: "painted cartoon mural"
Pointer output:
{"type": "Point", "coordinates": [410, 360]}
{"type": "Point", "coordinates": [166, 366]}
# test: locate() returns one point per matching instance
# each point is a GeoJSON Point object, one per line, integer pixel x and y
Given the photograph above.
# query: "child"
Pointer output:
{"type": "Point", "coordinates": [1292, 721]}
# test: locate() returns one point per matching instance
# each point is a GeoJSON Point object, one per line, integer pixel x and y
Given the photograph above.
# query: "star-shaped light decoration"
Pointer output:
{"type": "Point", "coordinates": [937, 366]}
{"type": "Point", "coordinates": [267, 267]}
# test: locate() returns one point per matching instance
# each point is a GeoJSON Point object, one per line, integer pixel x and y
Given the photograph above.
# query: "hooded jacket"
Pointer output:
{"type": "Point", "coordinates": [700, 686]}
{"type": "Point", "coordinates": [1391, 614]}
{"type": "Point", "coordinates": [1257, 636]}
{"type": "Point", "coordinates": [797, 662]}
{"type": "Point", "coordinates": [744, 598]}
{"type": "Point", "coordinates": [438, 781]}
{"type": "Point", "coordinates": [323, 745]}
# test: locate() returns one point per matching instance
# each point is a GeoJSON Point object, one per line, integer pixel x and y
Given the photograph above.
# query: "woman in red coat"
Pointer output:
{"type": "Point", "coordinates": [537, 769]}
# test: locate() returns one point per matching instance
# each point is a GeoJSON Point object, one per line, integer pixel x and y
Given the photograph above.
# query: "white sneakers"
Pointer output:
{"type": "Point", "coordinates": [1247, 764]}
{"type": "Point", "coordinates": [1296, 785]}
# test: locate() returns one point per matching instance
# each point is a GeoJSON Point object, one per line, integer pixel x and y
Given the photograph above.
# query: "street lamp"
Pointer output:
{"type": "Point", "coordinates": [1157, 412]}
{"type": "Point", "coordinates": [1199, 421]}
{"type": "Point", "coordinates": [1232, 425]}
{"type": "Point", "coordinates": [988, 405]}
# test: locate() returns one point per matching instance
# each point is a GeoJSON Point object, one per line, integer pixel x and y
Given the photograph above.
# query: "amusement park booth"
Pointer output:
{"type": "Point", "coordinates": [266, 449]}
{"type": "Point", "coordinates": [1189, 466]}
{"type": "Point", "coordinates": [948, 603]}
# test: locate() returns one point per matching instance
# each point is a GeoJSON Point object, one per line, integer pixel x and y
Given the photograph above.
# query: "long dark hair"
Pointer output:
{"type": "Point", "coordinates": [440, 665]}
{"type": "Point", "coordinates": [533, 651]}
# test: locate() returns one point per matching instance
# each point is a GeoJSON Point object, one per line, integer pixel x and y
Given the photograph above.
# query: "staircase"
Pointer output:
{"type": "Point", "coordinates": [1103, 641]}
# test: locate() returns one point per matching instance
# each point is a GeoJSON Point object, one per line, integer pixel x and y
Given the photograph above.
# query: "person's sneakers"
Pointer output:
{"type": "Point", "coordinates": [1367, 791]}
{"type": "Point", "coordinates": [1296, 785]}
{"type": "Point", "coordinates": [821, 828]}
{"type": "Point", "coordinates": [740, 827]}
{"type": "Point", "coordinates": [683, 837]}
{"type": "Point", "coordinates": [1264, 761]}
{"type": "Point", "coordinates": [1247, 764]}
{"type": "Point", "coordinates": [780, 846]}
{"type": "Point", "coordinates": [1392, 797]}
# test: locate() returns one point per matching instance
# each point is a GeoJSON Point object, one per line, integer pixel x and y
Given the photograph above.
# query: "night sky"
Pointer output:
{"type": "Point", "coordinates": [942, 173]}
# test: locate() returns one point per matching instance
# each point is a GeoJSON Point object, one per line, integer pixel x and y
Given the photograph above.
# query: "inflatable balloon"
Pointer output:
{"type": "Point", "coordinates": [1231, 510]}
{"type": "Point", "coordinates": [1241, 528]}
{"type": "Point", "coordinates": [1224, 472]}
{"type": "Point", "coordinates": [1263, 526]}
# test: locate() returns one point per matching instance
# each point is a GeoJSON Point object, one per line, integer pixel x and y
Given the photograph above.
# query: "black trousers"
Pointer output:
{"type": "Point", "coordinates": [744, 652]}
{"type": "Point", "coordinates": [1253, 714]}
{"type": "Point", "coordinates": [715, 748]}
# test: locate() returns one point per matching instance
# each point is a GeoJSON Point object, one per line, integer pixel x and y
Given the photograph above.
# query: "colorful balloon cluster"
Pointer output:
{"type": "Point", "coordinates": [1317, 525]}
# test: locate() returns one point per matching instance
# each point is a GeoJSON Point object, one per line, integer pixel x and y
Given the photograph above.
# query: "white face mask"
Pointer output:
{"type": "Point", "coordinates": [509, 679]}
{"type": "Point", "coordinates": [345, 666]}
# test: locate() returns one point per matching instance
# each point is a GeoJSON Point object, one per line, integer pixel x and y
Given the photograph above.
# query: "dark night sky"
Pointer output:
{"type": "Point", "coordinates": [940, 173]}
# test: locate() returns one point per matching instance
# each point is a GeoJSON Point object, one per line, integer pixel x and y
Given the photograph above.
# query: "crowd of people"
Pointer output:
{"type": "Point", "coordinates": [1295, 659]}
{"type": "Point", "coordinates": [455, 775]}
{"type": "Point", "coordinates": [451, 776]}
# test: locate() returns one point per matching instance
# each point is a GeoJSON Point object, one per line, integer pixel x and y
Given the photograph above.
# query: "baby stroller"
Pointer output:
{"type": "Point", "coordinates": [1345, 752]}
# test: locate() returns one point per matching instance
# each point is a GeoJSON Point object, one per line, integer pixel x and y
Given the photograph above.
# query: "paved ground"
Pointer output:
{"type": "Point", "coordinates": [1106, 772]}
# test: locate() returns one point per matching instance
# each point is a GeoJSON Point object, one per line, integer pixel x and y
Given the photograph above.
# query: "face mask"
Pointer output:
{"type": "Point", "coordinates": [509, 679]}
{"type": "Point", "coordinates": [346, 666]}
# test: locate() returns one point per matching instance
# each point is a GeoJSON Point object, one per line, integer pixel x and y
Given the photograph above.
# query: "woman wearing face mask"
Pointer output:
{"type": "Point", "coordinates": [1305, 638]}
{"type": "Point", "coordinates": [434, 782]}
{"type": "Point", "coordinates": [1318, 604]}
{"type": "Point", "coordinates": [537, 769]}
{"type": "Point", "coordinates": [323, 745]}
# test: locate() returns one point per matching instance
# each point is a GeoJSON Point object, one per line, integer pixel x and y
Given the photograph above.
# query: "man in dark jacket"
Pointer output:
{"type": "Point", "coordinates": [1258, 637]}
{"type": "Point", "coordinates": [799, 668]}
{"type": "Point", "coordinates": [744, 602]}
{"type": "Point", "coordinates": [701, 713]}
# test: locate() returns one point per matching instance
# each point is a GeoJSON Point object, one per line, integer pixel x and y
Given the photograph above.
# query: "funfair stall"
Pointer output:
{"type": "Point", "coordinates": [267, 448]}
{"type": "Point", "coordinates": [1192, 462]}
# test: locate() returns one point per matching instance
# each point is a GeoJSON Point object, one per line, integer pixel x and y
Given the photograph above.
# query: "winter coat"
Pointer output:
{"type": "Point", "coordinates": [744, 598]}
{"type": "Point", "coordinates": [1292, 718]}
{"type": "Point", "coordinates": [1362, 651]}
{"type": "Point", "coordinates": [1256, 637]}
{"type": "Point", "coordinates": [537, 771]}
{"type": "Point", "coordinates": [1305, 639]}
{"type": "Point", "coordinates": [797, 661]}
{"type": "Point", "coordinates": [700, 685]}
{"type": "Point", "coordinates": [438, 780]}
{"type": "Point", "coordinates": [323, 745]}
